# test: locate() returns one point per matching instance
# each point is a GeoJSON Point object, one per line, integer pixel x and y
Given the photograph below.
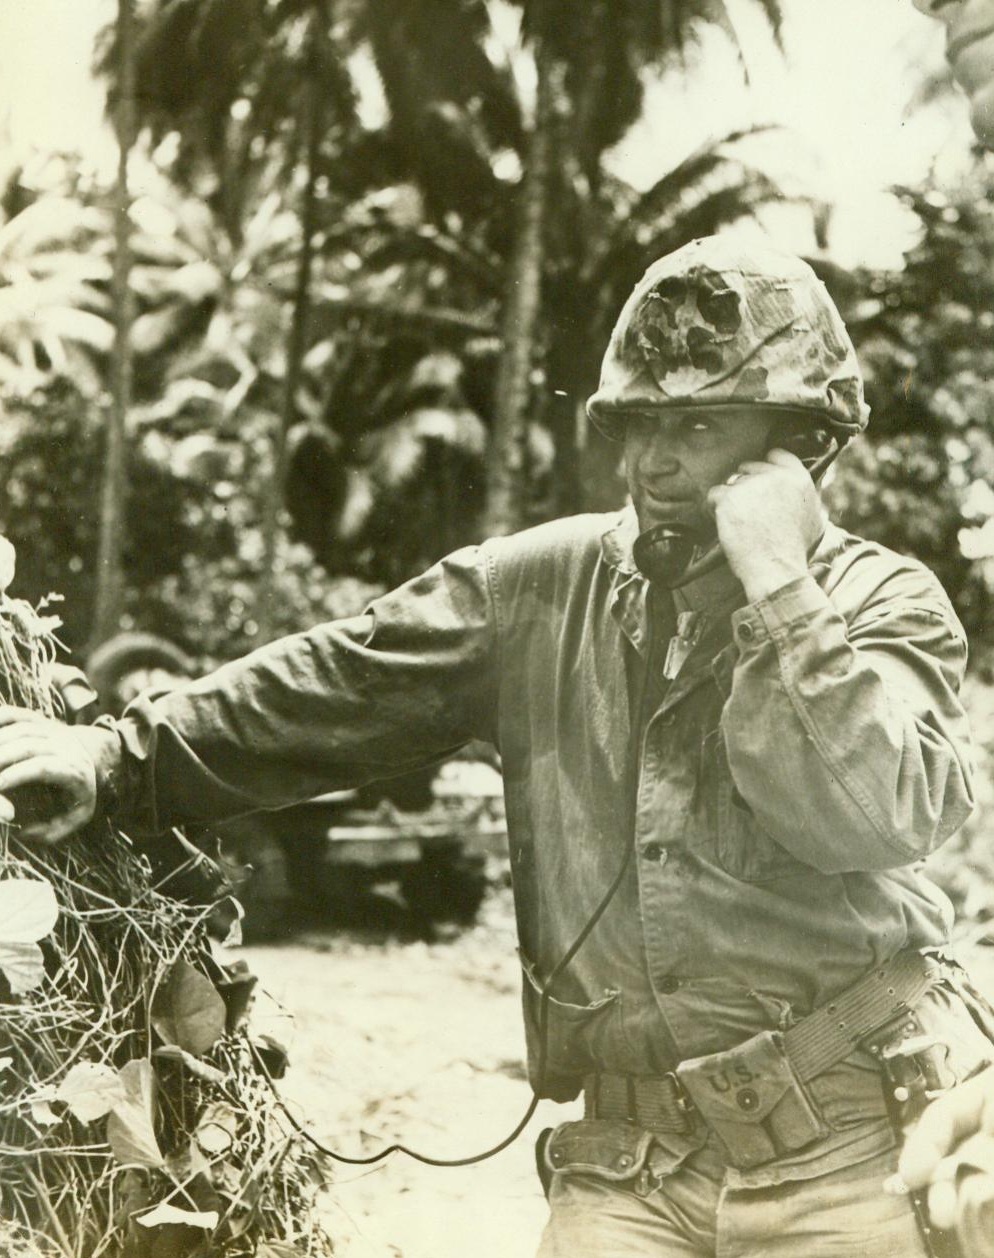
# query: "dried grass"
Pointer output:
{"type": "Point", "coordinates": [125, 968]}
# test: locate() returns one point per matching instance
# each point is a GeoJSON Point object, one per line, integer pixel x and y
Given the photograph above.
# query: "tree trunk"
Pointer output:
{"type": "Point", "coordinates": [564, 411]}
{"type": "Point", "coordinates": [109, 594]}
{"type": "Point", "coordinates": [267, 608]}
{"type": "Point", "coordinates": [507, 465]}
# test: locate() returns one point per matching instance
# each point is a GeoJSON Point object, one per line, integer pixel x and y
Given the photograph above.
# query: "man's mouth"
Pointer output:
{"type": "Point", "coordinates": [667, 503]}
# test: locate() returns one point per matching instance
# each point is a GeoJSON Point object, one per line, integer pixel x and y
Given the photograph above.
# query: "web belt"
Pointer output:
{"type": "Point", "coordinates": [818, 1042]}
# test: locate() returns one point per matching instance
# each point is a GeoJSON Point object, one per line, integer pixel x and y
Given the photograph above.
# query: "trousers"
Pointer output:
{"type": "Point", "coordinates": [694, 1214]}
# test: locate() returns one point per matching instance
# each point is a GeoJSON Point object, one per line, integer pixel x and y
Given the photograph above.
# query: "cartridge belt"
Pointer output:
{"type": "Point", "coordinates": [751, 1095]}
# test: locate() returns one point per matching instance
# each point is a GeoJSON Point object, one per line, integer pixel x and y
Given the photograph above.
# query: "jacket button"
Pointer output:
{"type": "Point", "coordinates": [555, 1157]}
{"type": "Point", "coordinates": [624, 1162]}
{"type": "Point", "coordinates": [669, 985]}
{"type": "Point", "coordinates": [655, 852]}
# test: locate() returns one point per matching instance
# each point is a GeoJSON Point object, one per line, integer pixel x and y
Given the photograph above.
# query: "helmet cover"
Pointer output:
{"type": "Point", "coordinates": [720, 322]}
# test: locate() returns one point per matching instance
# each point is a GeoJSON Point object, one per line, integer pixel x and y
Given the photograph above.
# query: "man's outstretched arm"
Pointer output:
{"type": "Point", "coordinates": [341, 704]}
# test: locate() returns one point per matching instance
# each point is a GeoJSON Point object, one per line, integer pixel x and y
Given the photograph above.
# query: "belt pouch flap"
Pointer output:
{"type": "Point", "coordinates": [609, 1148]}
{"type": "Point", "coordinates": [752, 1099]}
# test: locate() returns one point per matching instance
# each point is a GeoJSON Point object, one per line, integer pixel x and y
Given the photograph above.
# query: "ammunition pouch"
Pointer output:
{"type": "Point", "coordinates": [609, 1149]}
{"type": "Point", "coordinates": [619, 1151]}
{"type": "Point", "coordinates": [752, 1100]}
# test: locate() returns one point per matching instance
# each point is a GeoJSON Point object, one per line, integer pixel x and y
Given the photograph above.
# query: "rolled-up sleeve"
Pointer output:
{"type": "Point", "coordinates": [847, 739]}
{"type": "Point", "coordinates": [344, 703]}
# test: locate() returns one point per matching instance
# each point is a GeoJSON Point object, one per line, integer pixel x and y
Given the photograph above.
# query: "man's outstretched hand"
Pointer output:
{"type": "Point", "coordinates": [42, 758]}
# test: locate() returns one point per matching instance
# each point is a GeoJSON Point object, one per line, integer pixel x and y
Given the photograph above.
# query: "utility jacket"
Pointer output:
{"type": "Point", "coordinates": [811, 750]}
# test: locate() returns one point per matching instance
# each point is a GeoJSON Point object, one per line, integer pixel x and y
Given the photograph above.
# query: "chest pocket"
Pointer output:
{"type": "Point", "coordinates": [742, 847]}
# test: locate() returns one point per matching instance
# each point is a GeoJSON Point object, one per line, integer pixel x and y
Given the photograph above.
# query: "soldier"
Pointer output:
{"type": "Point", "coordinates": [728, 729]}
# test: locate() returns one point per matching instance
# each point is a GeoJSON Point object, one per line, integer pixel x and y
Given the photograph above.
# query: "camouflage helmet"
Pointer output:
{"type": "Point", "coordinates": [721, 322]}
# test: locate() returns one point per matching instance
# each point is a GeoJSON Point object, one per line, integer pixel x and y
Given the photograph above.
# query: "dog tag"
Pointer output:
{"type": "Point", "coordinates": [688, 632]}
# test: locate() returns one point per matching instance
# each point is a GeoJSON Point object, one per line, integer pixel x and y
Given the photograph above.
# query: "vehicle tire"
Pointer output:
{"type": "Point", "coordinates": [134, 654]}
{"type": "Point", "coordinates": [448, 884]}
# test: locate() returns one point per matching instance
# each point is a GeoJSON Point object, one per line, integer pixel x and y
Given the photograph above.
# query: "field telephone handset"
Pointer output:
{"type": "Point", "coordinates": [673, 555]}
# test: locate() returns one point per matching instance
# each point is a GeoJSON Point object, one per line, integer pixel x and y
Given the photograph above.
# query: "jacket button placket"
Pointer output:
{"type": "Point", "coordinates": [658, 885]}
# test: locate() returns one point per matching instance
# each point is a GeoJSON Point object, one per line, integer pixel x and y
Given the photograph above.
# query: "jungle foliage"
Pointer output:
{"type": "Point", "coordinates": [339, 421]}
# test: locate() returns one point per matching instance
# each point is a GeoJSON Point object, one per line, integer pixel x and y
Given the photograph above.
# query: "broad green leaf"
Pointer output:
{"type": "Point", "coordinates": [23, 966]}
{"type": "Point", "coordinates": [41, 1109]}
{"type": "Point", "coordinates": [217, 1129]}
{"type": "Point", "coordinates": [166, 1213]}
{"type": "Point", "coordinates": [91, 1090]}
{"type": "Point", "coordinates": [8, 560]}
{"type": "Point", "coordinates": [28, 909]}
{"type": "Point", "coordinates": [187, 1163]}
{"type": "Point", "coordinates": [173, 1052]}
{"type": "Point", "coordinates": [234, 938]}
{"type": "Point", "coordinates": [131, 1125]}
{"type": "Point", "coordinates": [277, 1249]}
{"type": "Point", "coordinates": [188, 1010]}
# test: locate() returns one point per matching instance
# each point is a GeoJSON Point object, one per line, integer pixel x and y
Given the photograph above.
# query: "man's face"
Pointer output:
{"type": "Point", "coordinates": [675, 454]}
{"type": "Point", "coordinates": [970, 50]}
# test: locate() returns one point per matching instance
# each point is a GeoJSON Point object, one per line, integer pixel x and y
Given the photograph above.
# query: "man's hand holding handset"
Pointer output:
{"type": "Point", "coordinates": [770, 518]}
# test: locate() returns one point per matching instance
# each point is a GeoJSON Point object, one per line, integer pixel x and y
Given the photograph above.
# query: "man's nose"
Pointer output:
{"type": "Point", "coordinates": [659, 460]}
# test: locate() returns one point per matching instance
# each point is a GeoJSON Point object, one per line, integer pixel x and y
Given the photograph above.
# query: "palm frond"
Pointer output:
{"type": "Point", "coordinates": [427, 51]}
{"type": "Point", "coordinates": [706, 164]}
{"type": "Point", "coordinates": [773, 12]}
{"type": "Point", "coordinates": [677, 206]}
{"type": "Point", "coordinates": [78, 327]}
{"type": "Point", "coordinates": [427, 244]}
{"type": "Point", "coordinates": [704, 215]}
{"type": "Point", "coordinates": [331, 306]}
{"type": "Point", "coordinates": [71, 268]}
{"type": "Point", "coordinates": [681, 22]}
{"type": "Point", "coordinates": [48, 223]}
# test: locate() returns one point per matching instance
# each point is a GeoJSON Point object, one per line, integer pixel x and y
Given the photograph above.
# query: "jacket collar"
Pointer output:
{"type": "Point", "coordinates": [716, 591]}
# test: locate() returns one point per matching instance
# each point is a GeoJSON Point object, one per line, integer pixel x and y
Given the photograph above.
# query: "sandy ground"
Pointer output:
{"type": "Point", "coordinates": [420, 1043]}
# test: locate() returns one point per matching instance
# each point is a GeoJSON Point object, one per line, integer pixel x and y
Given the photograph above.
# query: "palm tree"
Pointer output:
{"type": "Point", "coordinates": [229, 77]}
{"type": "Point", "coordinates": [316, 56]}
{"type": "Point", "coordinates": [455, 114]}
{"type": "Point", "coordinates": [109, 594]}
{"type": "Point", "coordinates": [589, 68]}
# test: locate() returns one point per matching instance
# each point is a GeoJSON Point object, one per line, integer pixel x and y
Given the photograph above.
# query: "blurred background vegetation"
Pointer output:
{"type": "Point", "coordinates": [327, 344]}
